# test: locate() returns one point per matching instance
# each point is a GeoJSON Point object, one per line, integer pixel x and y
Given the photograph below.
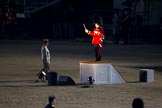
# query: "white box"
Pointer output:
{"type": "Point", "coordinates": [101, 72]}
{"type": "Point", "coordinates": [149, 76]}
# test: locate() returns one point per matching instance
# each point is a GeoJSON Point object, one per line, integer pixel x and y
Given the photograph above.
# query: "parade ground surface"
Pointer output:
{"type": "Point", "coordinates": [20, 61]}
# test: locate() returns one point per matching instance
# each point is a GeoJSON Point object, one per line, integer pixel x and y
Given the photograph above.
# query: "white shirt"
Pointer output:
{"type": "Point", "coordinates": [45, 54]}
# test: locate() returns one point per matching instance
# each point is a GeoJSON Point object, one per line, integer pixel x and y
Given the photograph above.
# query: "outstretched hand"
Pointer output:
{"type": "Point", "coordinates": [86, 31]}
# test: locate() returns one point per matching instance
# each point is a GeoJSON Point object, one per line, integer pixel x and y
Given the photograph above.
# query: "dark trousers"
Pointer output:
{"type": "Point", "coordinates": [1, 26]}
{"type": "Point", "coordinates": [116, 38]}
{"type": "Point", "coordinates": [125, 35]}
{"type": "Point", "coordinates": [11, 32]}
{"type": "Point", "coordinates": [98, 52]}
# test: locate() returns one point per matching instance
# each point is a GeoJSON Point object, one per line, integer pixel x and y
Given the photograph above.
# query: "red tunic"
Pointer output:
{"type": "Point", "coordinates": [1, 16]}
{"type": "Point", "coordinates": [97, 35]}
{"type": "Point", "coordinates": [11, 19]}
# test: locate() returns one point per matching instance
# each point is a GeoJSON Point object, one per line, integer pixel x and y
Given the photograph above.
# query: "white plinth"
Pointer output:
{"type": "Point", "coordinates": [102, 73]}
{"type": "Point", "coordinates": [149, 76]}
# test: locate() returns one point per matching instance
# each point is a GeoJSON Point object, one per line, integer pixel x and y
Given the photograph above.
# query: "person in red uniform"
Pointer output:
{"type": "Point", "coordinates": [11, 21]}
{"type": "Point", "coordinates": [97, 33]}
{"type": "Point", "coordinates": [2, 18]}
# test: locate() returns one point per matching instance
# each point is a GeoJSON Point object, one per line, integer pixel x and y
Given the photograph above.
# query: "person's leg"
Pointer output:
{"type": "Point", "coordinates": [46, 69]}
{"type": "Point", "coordinates": [116, 38]}
{"type": "Point", "coordinates": [125, 35]}
{"type": "Point", "coordinates": [1, 31]}
{"type": "Point", "coordinates": [99, 53]}
{"type": "Point", "coordinates": [96, 51]}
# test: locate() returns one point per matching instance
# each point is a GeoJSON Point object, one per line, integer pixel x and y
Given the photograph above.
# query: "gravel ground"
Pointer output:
{"type": "Point", "coordinates": [21, 60]}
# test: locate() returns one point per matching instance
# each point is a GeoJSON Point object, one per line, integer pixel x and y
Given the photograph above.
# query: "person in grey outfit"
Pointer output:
{"type": "Point", "coordinates": [45, 57]}
{"type": "Point", "coordinates": [116, 27]}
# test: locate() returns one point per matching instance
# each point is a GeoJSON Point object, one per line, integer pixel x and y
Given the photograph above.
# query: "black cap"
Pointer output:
{"type": "Point", "coordinates": [51, 98]}
{"type": "Point", "coordinates": [97, 22]}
